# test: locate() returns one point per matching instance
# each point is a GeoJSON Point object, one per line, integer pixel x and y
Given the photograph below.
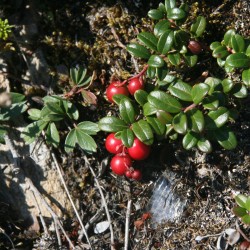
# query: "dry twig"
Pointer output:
{"type": "Point", "coordinates": [128, 212]}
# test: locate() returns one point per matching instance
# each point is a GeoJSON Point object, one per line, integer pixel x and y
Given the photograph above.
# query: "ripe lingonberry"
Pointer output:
{"type": "Point", "coordinates": [134, 85]}
{"type": "Point", "coordinates": [120, 163]}
{"type": "Point", "coordinates": [139, 150]}
{"type": "Point", "coordinates": [116, 88]}
{"type": "Point", "coordinates": [113, 145]}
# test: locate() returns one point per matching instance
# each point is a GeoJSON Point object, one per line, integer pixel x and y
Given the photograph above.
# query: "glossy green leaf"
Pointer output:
{"type": "Point", "coordinates": [241, 200]}
{"type": "Point", "coordinates": [151, 71]}
{"type": "Point", "coordinates": [161, 27]}
{"type": "Point", "coordinates": [164, 101]}
{"type": "Point", "coordinates": [52, 135]}
{"type": "Point", "coordinates": [34, 114]}
{"type": "Point", "coordinates": [246, 219]}
{"type": "Point", "coordinates": [162, 8]}
{"type": "Point", "coordinates": [174, 58]}
{"type": "Point", "coordinates": [219, 116]}
{"type": "Point", "coordinates": [164, 117]}
{"type": "Point", "coordinates": [214, 45]}
{"type": "Point", "coordinates": [238, 60]}
{"type": "Point", "coordinates": [85, 141]}
{"type": "Point", "coordinates": [239, 211]}
{"type": "Point", "coordinates": [156, 61]}
{"type": "Point", "coordinates": [88, 127]}
{"type": "Point", "coordinates": [180, 123]}
{"type": "Point", "coordinates": [138, 50]}
{"type": "Point", "coordinates": [16, 97]}
{"type": "Point", "coordinates": [176, 14]}
{"type": "Point", "coordinates": [181, 90]}
{"type": "Point", "coordinates": [118, 97]}
{"type": "Point", "coordinates": [247, 204]}
{"type": "Point", "coordinates": [195, 120]}
{"type": "Point", "coordinates": [238, 43]}
{"type": "Point", "coordinates": [33, 130]}
{"type": "Point", "coordinates": [72, 111]}
{"type": "Point", "coordinates": [199, 26]}
{"type": "Point", "coordinates": [214, 84]}
{"type": "Point", "coordinates": [180, 38]}
{"type": "Point", "coordinates": [127, 137]}
{"type": "Point", "coordinates": [210, 102]}
{"type": "Point", "coordinates": [149, 109]}
{"type": "Point", "coordinates": [111, 124]}
{"type": "Point", "coordinates": [143, 132]}
{"type": "Point", "coordinates": [54, 117]}
{"type": "Point", "coordinates": [228, 36]}
{"type": "Point", "coordinates": [141, 96]}
{"type": "Point", "coordinates": [221, 62]}
{"type": "Point", "coordinates": [70, 141]}
{"type": "Point", "coordinates": [127, 111]}
{"type": "Point", "coordinates": [156, 125]}
{"type": "Point", "coordinates": [190, 60]}
{"type": "Point", "coordinates": [162, 72]}
{"type": "Point", "coordinates": [148, 39]}
{"type": "Point", "coordinates": [240, 91]}
{"type": "Point", "coordinates": [156, 14]}
{"type": "Point", "coordinates": [204, 145]}
{"type": "Point", "coordinates": [220, 52]}
{"type": "Point", "coordinates": [55, 108]}
{"type": "Point", "coordinates": [248, 50]}
{"type": "Point", "coordinates": [226, 138]}
{"type": "Point", "coordinates": [246, 77]}
{"type": "Point", "coordinates": [199, 91]}
{"type": "Point", "coordinates": [169, 4]}
{"type": "Point", "coordinates": [228, 68]}
{"type": "Point", "coordinates": [165, 42]}
{"type": "Point", "coordinates": [189, 140]}
{"type": "Point", "coordinates": [227, 85]}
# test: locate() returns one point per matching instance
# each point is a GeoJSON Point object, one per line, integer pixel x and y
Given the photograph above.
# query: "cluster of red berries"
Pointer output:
{"type": "Point", "coordinates": [121, 163]}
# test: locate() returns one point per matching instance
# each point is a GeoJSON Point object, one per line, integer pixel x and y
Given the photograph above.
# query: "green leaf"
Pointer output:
{"type": "Point", "coordinates": [111, 124]}
{"type": "Point", "coordinates": [246, 219]}
{"type": "Point", "coordinates": [204, 145]}
{"type": "Point", "coordinates": [214, 45]}
{"type": "Point", "coordinates": [155, 61]}
{"type": "Point", "coordinates": [70, 141]}
{"type": "Point", "coordinates": [225, 138]}
{"type": "Point", "coordinates": [238, 60]}
{"type": "Point", "coordinates": [220, 52]}
{"type": "Point", "coordinates": [164, 117]}
{"type": "Point", "coordinates": [239, 211]}
{"type": "Point", "coordinates": [195, 120]}
{"type": "Point", "coordinates": [189, 140]}
{"type": "Point", "coordinates": [239, 90]}
{"type": "Point", "coordinates": [176, 14]}
{"type": "Point", "coordinates": [190, 60]}
{"type": "Point", "coordinates": [219, 117]}
{"type": "Point", "coordinates": [174, 58]}
{"type": "Point", "coordinates": [238, 43]}
{"type": "Point", "coordinates": [151, 71]}
{"type": "Point", "coordinates": [13, 111]}
{"type": "Point", "coordinates": [138, 50]}
{"type": "Point", "coordinates": [213, 83]}
{"type": "Point", "coordinates": [127, 137]}
{"type": "Point", "coordinates": [165, 42]}
{"type": "Point", "coordinates": [180, 38]}
{"type": "Point", "coordinates": [241, 200]}
{"type": "Point", "coordinates": [228, 36]}
{"type": "Point", "coordinates": [248, 50]}
{"type": "Point", "coordinates": [164, 101]}
{"type": "Point", "coordinates": [162, 72]}
{"type": "Point", "coordinates": [78, 76]}
{"type": "Point", "coordinates": [143, 132]}
{"type": "Point", "coordinates": [156, 125]}
{"type": "Point", "coordinates": [54, 117]}
{"type": "Point", "coordinates": [85, 141]}
{"type": "Point", "coordinates": [169, 4]}
{"type": "Point", "coordinates": [148, 39]}
{"type": "Point", "coordinates": [199, 91]}
{"type": "Point", "coordinates": [127, 111]}
{"type": "Point", "coordinates": [246, 77]}
{"type": "Point", "coordinates": [210, 102]}
{"type": "Point", "coordinates": [33, 130]}
{"type": "Point", "coordinates": [16, 97]}
{"type": "Point", "coordinates": [181, 90]}
{"type": "Point", "coordinates": [227, 85]}
{"type": "Point", "coordinates": [88, 127]}
{"type": "Point", "coordinates": [55, 108]}
{"type": "Point", "coordinates": [72, 111]}
{"type": "Point", "coordinates": [52, 135]}
{"type": "Point", "coordinates": [180, 123]}
{"type": "Point", "coordinates": [149, 109]}
{"type": "Point", "coordinates": [34, 114]}
{"type": "Point", "coordinates": [221, 62]}
{"type": "Point", "coordinates": [247, 204]}
{"type": "Point", "coordinates": [156, 14]}
{"type": "Point", "coordinates": [141, 96]}
{"type": "Point", "coordinates": [199, 26]}
{"type": "Point", "coordinates": [161, 27]}
{"type": "Point", "coordinates": [118, 97]}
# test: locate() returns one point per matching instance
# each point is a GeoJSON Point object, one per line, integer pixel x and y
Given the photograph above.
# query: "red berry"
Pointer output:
{"type": "Point", "coordinates": [136, 175]}
{"type": "Point", "coordinates": [134, 85]}
{"type": "Point", "coordinates": [116, 88]}
{"type": "Point", "coordinates": [120, 164]}
{"type": "Point", "coordinates": [113, 145]}
{"type": "Point", "coordinates": [245, 245]}
{"type": "Point", "coordinates": [195, 47]}
{"type": "Point", "coordinates": [139, 150]}
{"type": "Point", "coordinates": [128, 174]}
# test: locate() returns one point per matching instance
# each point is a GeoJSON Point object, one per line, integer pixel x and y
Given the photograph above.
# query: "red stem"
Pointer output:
{"type": "Point", "coordinates": [189, 107]}
{"type": "Point", "coordinates": [140, 74]}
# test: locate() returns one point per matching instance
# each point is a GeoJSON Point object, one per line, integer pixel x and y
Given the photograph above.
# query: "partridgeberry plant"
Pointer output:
{"type": "Point", "coordinates": [166, 107]}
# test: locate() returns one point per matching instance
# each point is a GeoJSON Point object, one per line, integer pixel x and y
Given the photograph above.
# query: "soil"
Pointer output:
{"type": "Point", "coordinates": [80, 32]}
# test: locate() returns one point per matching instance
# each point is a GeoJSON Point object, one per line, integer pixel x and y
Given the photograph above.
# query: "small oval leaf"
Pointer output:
{"type": "Point", "coordinates": [138, 50]}
{"type": "Point", "coordinates": [180, 123]}
{"type": "Point", "coordinates": [199, 26]}
{"type": "Point", "coordinates": [238, 60]}
{"type": "Point", "coordinates": [148, 39]}
{"type": "Point", "coordinates": [156, 61]}
{"type": "Point", "coordinates": [165, 42]}
{"type": "Point", "coordinates": [111, 124]}
{"type": "Point", "coordinates": [199, 91]}
{"type": "Point", "coordinates": [143, 132]}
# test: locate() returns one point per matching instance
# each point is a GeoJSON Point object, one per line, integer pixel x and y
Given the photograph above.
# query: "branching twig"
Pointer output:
{"type": "Point", "coordinates": [127, 225]}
